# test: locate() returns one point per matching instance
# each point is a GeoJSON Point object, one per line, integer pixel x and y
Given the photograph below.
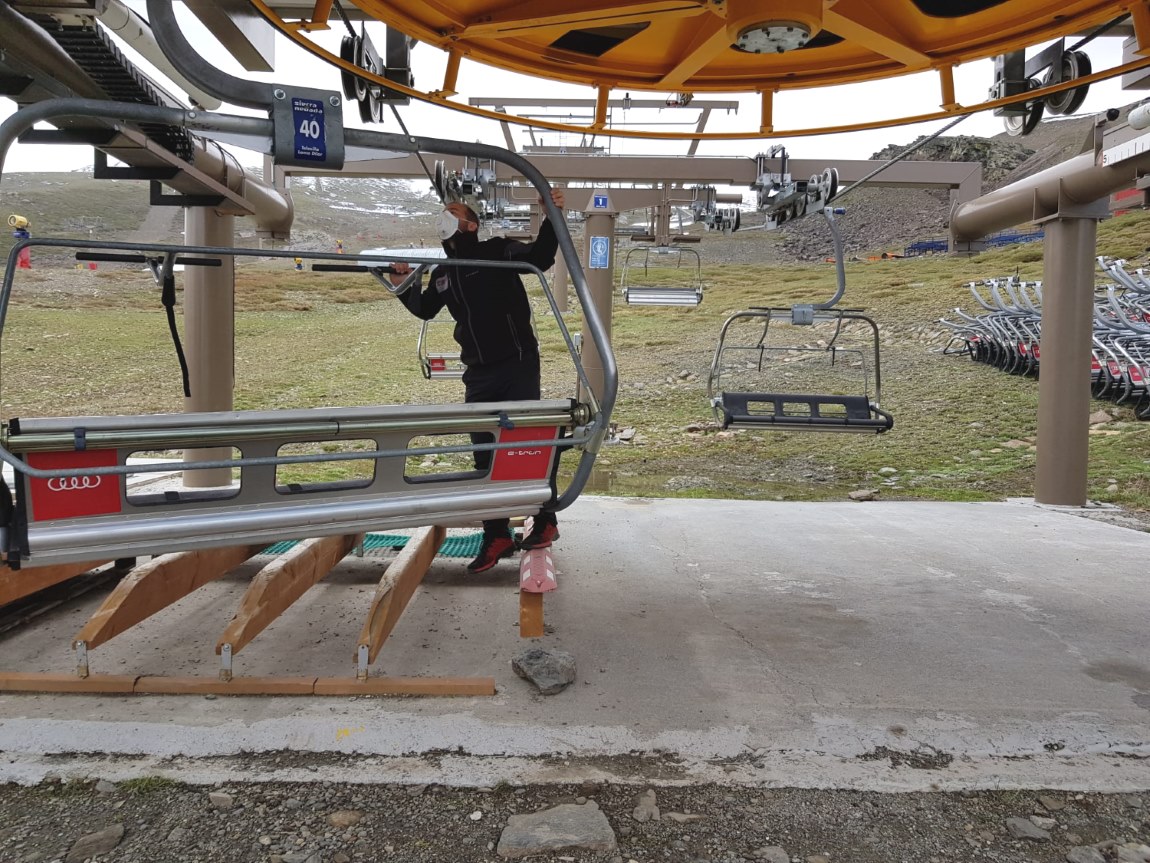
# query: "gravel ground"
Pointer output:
{"type": "Point", "coordinates": [324, 823]}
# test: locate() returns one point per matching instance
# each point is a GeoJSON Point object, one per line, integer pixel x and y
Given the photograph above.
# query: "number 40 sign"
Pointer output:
{"type": "Point", "coordinates": [308, 122]}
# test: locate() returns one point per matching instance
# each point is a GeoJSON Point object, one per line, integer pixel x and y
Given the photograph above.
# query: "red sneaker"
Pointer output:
{"type": "Point", "coordinates": [491, 552]}
{"type": "Point", "coordinates": [541, 536]}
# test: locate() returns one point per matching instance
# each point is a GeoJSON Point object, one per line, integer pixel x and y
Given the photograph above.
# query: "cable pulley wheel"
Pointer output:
{"type": "Point", "coordinates": [439, 181]}
{"type": "Point", "coordinates": [1075, 64]}
{"type": "Point", "coordinates": [830, 184]}
{"type": "Point", "coordinates": [1023, 124]}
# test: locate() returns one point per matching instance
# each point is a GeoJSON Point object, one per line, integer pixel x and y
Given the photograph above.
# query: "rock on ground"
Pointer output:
{"type": "Point", "coordinates": [645, 808]}
{"type": "Point", "coordinates": [93, 844]}
{"type": "Point", "coordinates": [567, 827]}
{"type": "Point", "coordinates": [550, 670]}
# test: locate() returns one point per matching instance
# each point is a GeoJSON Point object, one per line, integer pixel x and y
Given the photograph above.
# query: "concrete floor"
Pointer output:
{"type": "Point", "coordinates": [877, 645]}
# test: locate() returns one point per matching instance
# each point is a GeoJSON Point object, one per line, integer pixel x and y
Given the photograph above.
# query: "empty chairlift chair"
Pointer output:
{"type": "Point", "coordinates": [770, 376]}
{"type": "Point", "coordinates": [773, 407]}
{"type": "Point", "coordinates": [667, 282]}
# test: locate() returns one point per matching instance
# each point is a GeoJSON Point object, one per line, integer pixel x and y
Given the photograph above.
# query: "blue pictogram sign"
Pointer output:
{"type": "Point", "coordinates": [600, 253]}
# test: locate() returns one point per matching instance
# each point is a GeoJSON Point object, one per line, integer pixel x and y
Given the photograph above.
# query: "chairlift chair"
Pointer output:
{"type": "Point", "coordinates": [773, 409]}
{"type": "Point", "coordinates": [637, 294]}
{"type": "Point", "coordinates": [70, 498]}
{"type": "Point", "coordinates": [438, 364]}
{"type": "Point", "coordinates": [778, 410]}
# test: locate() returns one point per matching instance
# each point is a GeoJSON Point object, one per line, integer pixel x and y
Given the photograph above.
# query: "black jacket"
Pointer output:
{"type": "Point", "coordinates": [492, 315]}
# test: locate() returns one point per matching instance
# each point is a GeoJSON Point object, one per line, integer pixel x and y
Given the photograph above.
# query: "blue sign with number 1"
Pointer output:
{"type": "Point", "coordinates": [310, 135]}
{"type": "Point", "coordinates": [600, 202]}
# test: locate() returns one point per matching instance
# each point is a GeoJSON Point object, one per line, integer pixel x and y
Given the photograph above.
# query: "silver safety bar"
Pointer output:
{"type": "Point", "coordinates": [644, 296]}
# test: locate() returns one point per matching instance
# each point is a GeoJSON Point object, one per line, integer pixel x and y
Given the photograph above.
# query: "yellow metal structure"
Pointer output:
{"type": "Point", "coordinates": [730, 46]}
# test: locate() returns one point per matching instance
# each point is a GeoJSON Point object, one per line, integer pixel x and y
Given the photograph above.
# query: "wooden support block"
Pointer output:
{"type": "Point", "coordinates": [396, 588]}
{"type": "Point", "coordinates": [530, 615]}
{"type": "Point", "coordinates": [235, 686]}
{"type": "Point", "coordinates": [406, 686]}
{"type": "Point", "coordinates": [12, 681]}
{"type": "Point", "coordinates": [155, 585]}
{"type": "Point", "coordinates": [281, 583]}
{"type": "Point", "coordinates": [18, 583]}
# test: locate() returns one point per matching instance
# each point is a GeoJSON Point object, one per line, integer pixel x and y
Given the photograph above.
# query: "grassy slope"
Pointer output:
{"type": "Point", "coordinates": [97, 342]}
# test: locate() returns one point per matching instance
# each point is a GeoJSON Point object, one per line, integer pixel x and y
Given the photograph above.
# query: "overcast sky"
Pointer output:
{"type": "Point", "coordinates": [907, 95]}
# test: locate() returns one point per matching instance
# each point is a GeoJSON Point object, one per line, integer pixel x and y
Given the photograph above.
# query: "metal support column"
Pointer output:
{"type": "Point", "coordinates": [209, 335]}
{"type": "Point", "coordinates": [1064, 385]}
{"type": "Point", "coordinates": [559, 282]}
{"type": "Point", "coordinates": [662, 230]}
{"type": "Point", "coordinates": [599, 258]}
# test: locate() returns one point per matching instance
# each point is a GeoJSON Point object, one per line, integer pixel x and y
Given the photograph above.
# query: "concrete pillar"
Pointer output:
{"type": "Point", "coordinates": [209, 335]}
{"type": "Point", "coordinates": [599, 267]}
{"type": "Point", "coordinates": [1064, 385]}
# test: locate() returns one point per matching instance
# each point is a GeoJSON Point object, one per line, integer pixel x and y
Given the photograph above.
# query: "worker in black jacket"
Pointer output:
{"type": "Point", "coordinates": [496, 336]}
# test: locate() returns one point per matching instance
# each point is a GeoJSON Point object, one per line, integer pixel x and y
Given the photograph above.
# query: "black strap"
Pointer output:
{"type": "Point", "coordinates": [168, 299]}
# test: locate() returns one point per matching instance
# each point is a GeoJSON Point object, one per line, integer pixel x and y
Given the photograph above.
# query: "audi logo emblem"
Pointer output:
{"type": "Point", "coordinates": [73, 483]}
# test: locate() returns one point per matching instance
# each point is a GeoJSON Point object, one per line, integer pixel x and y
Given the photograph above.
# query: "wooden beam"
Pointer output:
{"type": "Point", "coordinates": [530, 615]}
{"type": "Point", "coordinates": [155, 585]}
{"type": "Point", "coordinates": [395, 590]}
{"type": "Point", "coordinates": [160, 685]}
{"type": "Point", "coordinates": [281, 583]}
{"type": "Point", "coordinates": [127, 684]}
{"type": "Point", "coordinates": [406, 686]}
{"type": "Point", "coordinates": [18, 583]}
{"type": "Point", "coordinates": [13, 681]}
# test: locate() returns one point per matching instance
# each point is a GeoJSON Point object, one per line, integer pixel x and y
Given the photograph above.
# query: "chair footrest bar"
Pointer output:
{"type": "Point", "coordinates": [803, 412]}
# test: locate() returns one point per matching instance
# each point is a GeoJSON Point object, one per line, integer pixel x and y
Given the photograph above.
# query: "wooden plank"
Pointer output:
{"type": "Point", "coordinates": [530, 614]}
{"type": "Point", "coordinates": [13, 681]}
{"type": "Point", "coordinates": [18, 583]}
{"type": "Point", "coordinates": [281, 583]}
{"type": "Point", "coordinates": [125, 684]}
{"type": "Point", "coordinates": [153, 586]}
{"type": "Point", "coordinates": [236, 686]}
{"type": "Point", "coordinates": [406, 686]}
{"type": "Point", "coordinates": [397, 586]}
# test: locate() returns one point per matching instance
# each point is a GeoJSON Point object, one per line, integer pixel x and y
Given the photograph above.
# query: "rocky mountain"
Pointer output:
{"type": "Point", "coordinates": [887, 220]}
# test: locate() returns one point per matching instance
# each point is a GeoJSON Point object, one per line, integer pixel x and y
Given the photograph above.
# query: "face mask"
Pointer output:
{"type": "Point", "coordinates": [447, 225]}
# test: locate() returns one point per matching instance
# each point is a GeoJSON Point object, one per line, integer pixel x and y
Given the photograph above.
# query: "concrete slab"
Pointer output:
{"type": "Point", "coordinates": [870, 645]}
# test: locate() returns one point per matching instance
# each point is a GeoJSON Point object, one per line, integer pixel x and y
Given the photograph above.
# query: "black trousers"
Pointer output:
{"type": "Point", "coordinates": [510, 380]}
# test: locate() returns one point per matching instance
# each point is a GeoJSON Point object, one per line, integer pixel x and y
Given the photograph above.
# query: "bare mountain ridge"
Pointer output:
{"type": "Point", "coordinates": [887, 220]}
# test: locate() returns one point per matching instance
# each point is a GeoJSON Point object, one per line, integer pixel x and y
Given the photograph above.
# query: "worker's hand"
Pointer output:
{"type": "Point", "coordinates": [399, 272]}
{"type": "Point", "coordinates": [556, 197]}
